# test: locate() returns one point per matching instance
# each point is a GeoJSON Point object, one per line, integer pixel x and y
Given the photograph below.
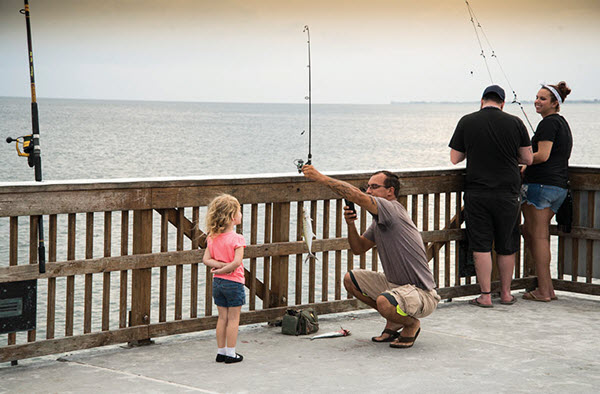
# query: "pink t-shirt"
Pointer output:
{"type": "Point", "coordinates": [222, 248]}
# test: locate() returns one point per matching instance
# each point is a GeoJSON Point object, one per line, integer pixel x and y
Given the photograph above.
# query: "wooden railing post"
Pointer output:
{"type": "Point", "coordinates": [279, 267]}
{"type": "Point", "coordinates": [141, 278]}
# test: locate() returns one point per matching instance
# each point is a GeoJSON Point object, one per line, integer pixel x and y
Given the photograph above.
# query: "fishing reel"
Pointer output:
{"type": "Point", "coordinates": [300, 163]}
{"type": "Point", "coordinates": [24, 142]}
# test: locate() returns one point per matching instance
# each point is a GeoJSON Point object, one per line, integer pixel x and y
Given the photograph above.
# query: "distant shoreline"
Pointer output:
{"type": "Point", "coordinates": [392, 102]}
{"type": "Point", "coordinates": [589, 101]}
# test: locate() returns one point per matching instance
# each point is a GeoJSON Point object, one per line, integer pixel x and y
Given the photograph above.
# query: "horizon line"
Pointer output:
{"type": "Point", "coordinates": [391, 102]}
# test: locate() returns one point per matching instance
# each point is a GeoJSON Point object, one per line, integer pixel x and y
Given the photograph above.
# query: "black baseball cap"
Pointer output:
{"type": "Point", "coordinates": [494, 89]}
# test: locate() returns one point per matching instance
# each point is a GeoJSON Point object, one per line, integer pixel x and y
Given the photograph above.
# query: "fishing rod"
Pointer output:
{"type": "Point", "coordinates": [299, 162]}
{"type": "Point", "coordinates": [31, 143]}
{"type": "Point", "coordinates": [493, 55]}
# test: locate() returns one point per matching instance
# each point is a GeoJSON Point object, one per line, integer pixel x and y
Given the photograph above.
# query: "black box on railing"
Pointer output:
{"type": "Point", "coordinates": [18, 305]}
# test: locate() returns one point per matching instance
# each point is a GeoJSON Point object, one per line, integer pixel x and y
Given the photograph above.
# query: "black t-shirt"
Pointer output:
{"type": "Point", "coordinates": [553, 171]}
{"type": "Point", "coordinates": [491, 139]}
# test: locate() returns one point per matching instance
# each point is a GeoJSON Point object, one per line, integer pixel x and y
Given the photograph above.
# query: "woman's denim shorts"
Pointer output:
{"type": "Point", "coordinates": [227, 293]}
{"type": "Point", "coordinates": [543, 196]}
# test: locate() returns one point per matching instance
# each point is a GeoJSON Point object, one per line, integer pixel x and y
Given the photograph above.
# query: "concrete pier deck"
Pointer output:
{"type": "Point", "coordinates": [528, 347]}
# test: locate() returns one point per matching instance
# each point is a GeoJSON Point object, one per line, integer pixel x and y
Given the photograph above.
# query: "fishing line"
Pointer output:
{"type": "Point", "coordinates": [473, 18]}
{"type": "Point", "coordinates": [493, 55]}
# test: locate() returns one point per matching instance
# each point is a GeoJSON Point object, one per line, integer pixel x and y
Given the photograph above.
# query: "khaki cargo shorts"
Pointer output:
{"type": "Point", "coordinates": [408, 299]}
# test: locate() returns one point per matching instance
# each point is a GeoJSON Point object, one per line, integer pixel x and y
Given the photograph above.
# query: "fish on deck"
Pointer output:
{"type": "Point", "coordinates": [332, 334]}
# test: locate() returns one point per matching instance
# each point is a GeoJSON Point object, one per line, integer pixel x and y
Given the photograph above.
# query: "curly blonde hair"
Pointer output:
{"type": "Point", "coordinates": [220, 214]}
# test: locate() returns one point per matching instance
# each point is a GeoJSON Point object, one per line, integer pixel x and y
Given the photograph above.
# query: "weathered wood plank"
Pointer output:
{"type": "Point", "coordinates": [447, 276]}
{"type": "Point", "coordinates": [299, 216]}
{"type": "Point", "coordinates": [578, 232]}
{"type": "Point", "coordinates": [70, 289]}
{"type": "Point", "coordinates": [325, 254]}
{"type": "Point", "coordinates": [172, 215]}
{"type": "Point", "coordinates": [162, 279]}
{"type": "Point", "coordinates": [13, 258]}
{"type": "Point", "coordinates": [141, 278]}
{"type": "Point", "coordinates": [252, 271]}
{"type": "Point", "coordinates": [194, 270]}
{"type": "Point", "coordinates": [106, 275]}
{"type": "Point", "coordinates": [267, 260]}
{"type": "Point", "coordinates": [89, 254]}
{"type": "Point", "coordinates": [576, 287]}
{"type": "Point", "coordinates": [64, 201]}
{"type": "Point", "coordinates": [362, 259]}
{"type": "Point", "coordinates": [22, 200]}
{"type": "Point", "coordinates": [68, 344]}
{"type": "Point", "coordinates": [468, 290]}
{"type": "Point", "coordinates": [575, 242]}
{"type": "Point", "coordinates": [459, 220]}
{"type": "Point", "coordinates": [312, 275]}
{"type": "Point", "coordinates": [591, 214]}
{"type": "Point", "coordinates": [51, 300]}
{"type": "Point", "coordinates": [279, 267]}
{"type": "Point", "coordinates": [179, 268]}
{"type": "Point", "coordinates": [123, 274]}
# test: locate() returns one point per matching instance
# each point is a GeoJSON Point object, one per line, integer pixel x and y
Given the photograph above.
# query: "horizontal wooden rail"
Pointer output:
{"type": "Point", "coordinates": [577, 232]}
{"type": "Point", "coordinates": [576, 287]}
{"type": "Point", "coordinates": [47, 199]}
{"type": "Point", "coordinates": [165, 259]}
{"type": "Point", "coordinates": [473, 289]}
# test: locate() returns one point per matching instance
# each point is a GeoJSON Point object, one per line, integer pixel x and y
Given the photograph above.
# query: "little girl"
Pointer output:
{"type": "Point", "coordinates": [224, 254]}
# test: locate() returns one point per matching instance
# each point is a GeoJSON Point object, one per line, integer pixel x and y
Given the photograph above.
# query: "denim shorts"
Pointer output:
{"type": "Point", "coordinates": [543, 196]}
{"type": "Point", "coordinates": [227, 293]}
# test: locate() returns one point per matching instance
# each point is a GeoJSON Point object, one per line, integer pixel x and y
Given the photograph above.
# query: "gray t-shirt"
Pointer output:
{"type": "Point", "coordinates": [399, 245]}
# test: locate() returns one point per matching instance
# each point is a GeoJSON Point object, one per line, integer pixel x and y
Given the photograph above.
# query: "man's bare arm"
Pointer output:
{"type": "Point", "coordinates": [456, 156]}
{"type": "Point", "coordinates": [525, 155]}
{"type": "Point", "coordinates": [344, 189]}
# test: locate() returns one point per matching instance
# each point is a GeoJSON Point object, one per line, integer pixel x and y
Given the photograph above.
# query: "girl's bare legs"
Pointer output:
{"type": "Point", "coordinates": [536, 230]}
{"type": "Point", "coordinates": [233, 323]}
{"type": "Point", "coordinates": [222, 323]}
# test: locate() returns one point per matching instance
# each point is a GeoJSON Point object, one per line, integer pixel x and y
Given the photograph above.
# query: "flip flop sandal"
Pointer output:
{"type": "Point", "coordinates": [476, 302]}
{"type": "Point", "coordinates": [532, 297]}
{"type": "Point", "coordinates": [401, 339]}
{"type": "Point", "coordinates": [392, 335]}
{"type": "Point", "coordinates": [512, 301]}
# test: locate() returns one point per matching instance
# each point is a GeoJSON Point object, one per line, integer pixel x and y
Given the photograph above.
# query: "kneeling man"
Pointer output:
{"type": "Point", "coordinates": [405, 291]}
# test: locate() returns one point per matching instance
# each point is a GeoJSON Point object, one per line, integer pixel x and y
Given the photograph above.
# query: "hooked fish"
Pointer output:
{"type": "Point", "coordinates": [308, 234]}
{"type": "Point", "coordinates": [332, 334]}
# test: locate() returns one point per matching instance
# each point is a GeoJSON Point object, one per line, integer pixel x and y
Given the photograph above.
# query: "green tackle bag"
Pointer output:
{"type": "Point", "coordinates": [299, 322]}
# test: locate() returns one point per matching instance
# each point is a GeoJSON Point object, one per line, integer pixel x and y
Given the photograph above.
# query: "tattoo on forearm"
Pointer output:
{"type": "Point", "coordinates": [342, 188]}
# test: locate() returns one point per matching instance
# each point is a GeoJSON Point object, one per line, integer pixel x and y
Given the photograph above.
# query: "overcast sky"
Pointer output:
{"type": "Point", "coordinates": [367, 51]}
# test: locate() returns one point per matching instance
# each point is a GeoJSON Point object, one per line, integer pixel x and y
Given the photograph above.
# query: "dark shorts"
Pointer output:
{"type": "Point", "coordinates": [492, 218]}
{"type": "Point", "coordinates": [227, 293]}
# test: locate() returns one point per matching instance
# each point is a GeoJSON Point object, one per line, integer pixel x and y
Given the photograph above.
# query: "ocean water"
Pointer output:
{"type": "Point", "coordinates": [87, 139]}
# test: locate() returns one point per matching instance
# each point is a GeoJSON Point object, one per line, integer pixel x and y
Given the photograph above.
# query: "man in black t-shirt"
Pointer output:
{"type": "Point", "coordinates": [494, 144]}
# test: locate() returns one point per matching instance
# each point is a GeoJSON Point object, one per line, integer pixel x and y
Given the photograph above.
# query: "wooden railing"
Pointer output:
{"type": "Point", "coordinates": [124, 258]}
